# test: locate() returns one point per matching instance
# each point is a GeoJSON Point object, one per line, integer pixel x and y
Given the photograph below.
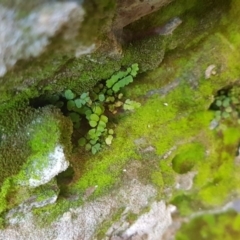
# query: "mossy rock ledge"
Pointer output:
{"type": "Point", "coordinates": [33, 154]}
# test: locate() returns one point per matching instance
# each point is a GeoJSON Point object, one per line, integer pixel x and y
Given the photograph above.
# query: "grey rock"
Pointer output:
{"type": "Point", "coordinates": [47, 195]}
{"type": "Point", "coordinates": [29, 36]}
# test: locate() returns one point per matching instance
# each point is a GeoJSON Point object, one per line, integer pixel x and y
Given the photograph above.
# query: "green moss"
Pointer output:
{"type": "Point", "coordinates": [54, 72]}
{"type": "Point", "coordinates": [5, 192]}
{"type": "Point", "coordinates": [184, 116]}
{"type": "Point", "coordinates": [149, 118]}
{"type": "Point", "coordinates": [168, 173]}
{"type": "Point", "coordinates": [44, 134]}
{"type": "Point", "coordinates": [13, 149]}
{"type": "Point", "coordinates": [164, 126]}
{"type": "Point", "coordinates": [153, 48]}
{"type": "Point", "coordinates": [185, 203]}
{"type": "Point", "coordinates": [105, 172]}
{"type": "Point", "coordinates": [194, 28]}
{"type": "Point", "coordinates": [220, 226]}
{"type": "Point", "coordinates": [101, 232]}
{"type": "Point", "coordinates": [37, 133]}
{"type": "Point", "coordinates": [98, 19]}
{"type": "Point", "coordinates": [217, 175]}
{"type": "Point", "coordinates": [84, 73]}
{"type": "Point", "coordinates": [45, 192]}
{"type": "Point", "coordinates": [54, 210]}
{"type": "Point", "coordinates": [218, 181]}
{"type": "Point", "coordinates": [188, 155]}
{"type": "Point", "coordinates": [169, 119]}
{"type": "Point", "coordinates": [157, 179]}
{"type": "Point", "coordinates": [32, 79]}
{"type": "Point", "coordinates": [42, 129]}
{"type": "Point", "coordinates": [230, 29]}
{"type": "Point", "coordinates": [230, 136]}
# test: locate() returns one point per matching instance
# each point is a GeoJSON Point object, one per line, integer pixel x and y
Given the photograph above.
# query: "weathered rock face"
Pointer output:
{"type": "Point", "coordinates": [55, 163]}
{"type": "Point", "coordinates": [130, 11]}
{"type": "Point", "coordinates": [83, 222]}
{"type": "Point", "coordinates": [37, 198]}
{"type": "Point", "coordinates": [22, 38]}
{"type": "Point", "coordinates": [27, 33]}
{"type": "Point", "coordinates": [164, 153]}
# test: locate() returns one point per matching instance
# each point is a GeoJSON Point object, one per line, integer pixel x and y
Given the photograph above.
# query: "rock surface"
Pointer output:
{"type": "Point", "coordinates": [81, 223]}
{"type": "Point", "coordinates": [152, 224]}
{"type": "Point", "coordinates": [29, 36]}
{"type": "Point", "coordinates": [55, 163]}
{"type": "Point", "coordinates": [47, 195]}
{"type": "Point", "coordinates": [130, 11]}
{"type": "Point", "coordinates": [43, 50]}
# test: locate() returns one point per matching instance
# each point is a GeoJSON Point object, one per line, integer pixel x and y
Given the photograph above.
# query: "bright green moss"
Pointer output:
{"type": "Point", "coordinates": [218, 180]}
{"type": "Point", "coordinates": [105, 168]}
{"type": "Point", "coordinates": [5, 191]}
{"type": "Point", "coordinates": [40, 140]}
{"type": "Point", "coordinates": [165, 120]}
{"type": "Point", "coordinates": [223, 226]}
{"type": "Point", "coordinates": [187, 156]}
{"type": "Point", "coordinates": [43, 140]}
{"type": "Point", "coordinates": [217, 175]}
{"type": "Point", "coordinates": [185, 203]}
{"type": "Point", "coordinates": [44, 135]}
{"type": "Point", "coordinates": [149, 118]}
{"type": "Point", "coordinates": [230, 136]}
{"type": "Point", "coordinates": [157, 179]}
{"type": "Point", "coordinates": [162, 125]}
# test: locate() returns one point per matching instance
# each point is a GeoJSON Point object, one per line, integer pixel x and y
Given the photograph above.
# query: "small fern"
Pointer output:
{"type": "Point", "coordinates": [91, 107]}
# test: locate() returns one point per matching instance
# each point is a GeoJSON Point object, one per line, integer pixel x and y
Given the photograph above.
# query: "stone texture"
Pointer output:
{"type": "Point", "coordinates": [130, 11]}
{"type": "Point", "coordinates": [48, 194]}
{"type": "Point", "coordinates": [153, 224]}
{"type": "Point", "coordinates": [29, 36]}
{"type": "Point", "coordinates": [56, 163]}
{"type": "Point", "coordinates": [82, 222]}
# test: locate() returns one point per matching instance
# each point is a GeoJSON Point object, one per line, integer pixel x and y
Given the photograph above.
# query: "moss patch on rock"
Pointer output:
{"type": "Point", "coordinates": [220, 226]}
{"type": "Point", "coordinates": [35, 136]}
{"type": "Point", "coordinates": [174, 113]}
